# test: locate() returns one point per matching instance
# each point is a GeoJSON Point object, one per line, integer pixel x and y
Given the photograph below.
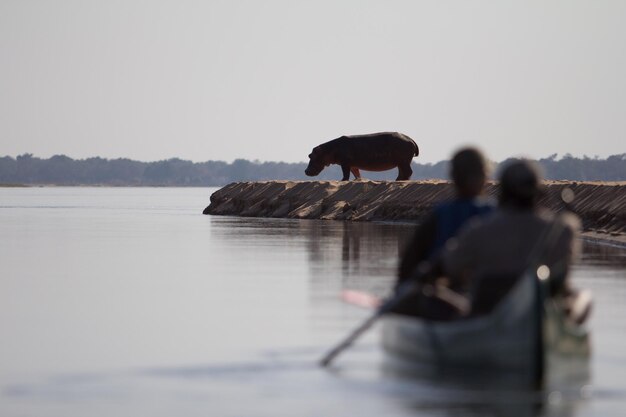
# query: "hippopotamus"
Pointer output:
{"type": "Point", "coordinates": [373, 152]}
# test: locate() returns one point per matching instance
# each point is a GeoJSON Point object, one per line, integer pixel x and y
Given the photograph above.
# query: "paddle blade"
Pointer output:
{"type": "Point", "coordinates": [361, 299]}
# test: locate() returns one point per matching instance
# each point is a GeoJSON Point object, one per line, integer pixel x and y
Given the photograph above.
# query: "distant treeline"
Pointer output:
{"type": "Point", "coordinates": [62, 170]}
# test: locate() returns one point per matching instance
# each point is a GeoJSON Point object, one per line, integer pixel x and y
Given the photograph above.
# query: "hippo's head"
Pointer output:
{"type": "Point", "coordinates": [318, 160]}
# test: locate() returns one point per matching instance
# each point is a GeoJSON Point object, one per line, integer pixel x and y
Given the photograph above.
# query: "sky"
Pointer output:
{"type": "Point", "coordinates": [268, 80]}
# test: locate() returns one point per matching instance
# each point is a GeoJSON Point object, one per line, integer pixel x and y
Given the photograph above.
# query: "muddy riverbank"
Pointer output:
{"type": "Point", "coordinates": [600, 205]}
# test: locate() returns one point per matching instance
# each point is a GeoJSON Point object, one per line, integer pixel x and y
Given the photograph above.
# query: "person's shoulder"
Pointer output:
{"type": "Point", "coordinates": [565, 218]}
{"type": "Point", "coordinates": [569, 221]}
{"type": "Point", "coordinates": [491, 218]}
{"type": "Point", "coordinates": [484, 205]}
{"type": "Point", "coordinates": [478, 225]}
{"type": "Point", "coordinates": [445, 209]}
{"type": "Point", "coordinates": [484, 201]}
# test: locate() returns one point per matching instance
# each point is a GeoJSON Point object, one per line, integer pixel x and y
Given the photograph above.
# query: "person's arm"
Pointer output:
{"type": "Point", "coordinates": [418, 248]}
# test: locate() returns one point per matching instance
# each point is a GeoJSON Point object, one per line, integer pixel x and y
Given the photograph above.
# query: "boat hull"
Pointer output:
{"type": "Point", "coordinates": [506, 339]}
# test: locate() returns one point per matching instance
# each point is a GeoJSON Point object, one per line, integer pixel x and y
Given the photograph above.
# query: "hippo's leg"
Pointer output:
{"type": "Point", "coordinates": [404, 172]}
{"type": "Point", "coordinates": [346, 172]}
{"type": "Point", "coordinates": [356, 172]}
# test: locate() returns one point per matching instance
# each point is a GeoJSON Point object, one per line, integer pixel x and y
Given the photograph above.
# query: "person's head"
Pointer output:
{"type": "Point", "coordinates": [468, 170]}
{"type": "Point", "coordinates": [520, 184]}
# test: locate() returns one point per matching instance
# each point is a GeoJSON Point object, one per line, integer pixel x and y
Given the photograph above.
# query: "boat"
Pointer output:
{"type": "Point", "coordinates": [525, 332]}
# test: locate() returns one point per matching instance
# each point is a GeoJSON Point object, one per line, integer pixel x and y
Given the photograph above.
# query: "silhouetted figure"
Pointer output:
{"type": "Point", "coordinates": [469, 174]}
{"type": "Point", "coordinates": [491, 253]}
{"type": "Point", "coordinates": [373, 152]}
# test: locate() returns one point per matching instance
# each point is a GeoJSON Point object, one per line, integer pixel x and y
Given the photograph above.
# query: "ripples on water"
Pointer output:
{"type": "Point", "coordinates": [129, 302]}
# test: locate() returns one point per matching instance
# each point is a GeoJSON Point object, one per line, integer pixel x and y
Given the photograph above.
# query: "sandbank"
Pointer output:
{"type": "Point", "coordinates": [600, 205]}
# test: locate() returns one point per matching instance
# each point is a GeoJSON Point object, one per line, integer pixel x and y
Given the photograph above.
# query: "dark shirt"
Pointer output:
{"type": "Point", "coordinates": [501, 245]}
{"type": "Point", "coordinates": [432, 234]}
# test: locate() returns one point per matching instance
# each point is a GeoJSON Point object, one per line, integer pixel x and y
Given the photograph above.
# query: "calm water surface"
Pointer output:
{"type": "Point", "coordinates": [129, 302]}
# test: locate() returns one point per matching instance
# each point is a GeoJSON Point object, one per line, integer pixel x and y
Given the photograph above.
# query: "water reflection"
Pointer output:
{"type": "Point", "coordinates": [341, 255]}
{"type": "Point", "coordinates": [604, 255]}
{"type": "Point", "coordinates": [364, 256]}
{"type": "Point", "coordinates": [452, 391]}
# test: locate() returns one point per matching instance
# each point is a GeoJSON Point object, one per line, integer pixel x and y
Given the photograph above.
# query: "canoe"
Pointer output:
{"type": "Point", "coordinates": [525, 332]}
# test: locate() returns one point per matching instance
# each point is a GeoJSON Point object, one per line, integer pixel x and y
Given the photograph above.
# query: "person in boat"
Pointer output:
{"type": "Point", "coordinates": [469, 172]}
{"type": "Point", "coordinates": [491, 253]}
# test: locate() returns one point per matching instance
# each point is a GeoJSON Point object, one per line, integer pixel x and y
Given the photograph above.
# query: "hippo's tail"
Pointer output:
{"type": "Point", "coordinates": [417, 149]}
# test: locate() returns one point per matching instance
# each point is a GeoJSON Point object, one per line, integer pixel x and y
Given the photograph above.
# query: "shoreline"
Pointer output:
{"type": "Point", "coordinates": [7, 185]}
{"type": "Point", "coordinates": [600, 205]}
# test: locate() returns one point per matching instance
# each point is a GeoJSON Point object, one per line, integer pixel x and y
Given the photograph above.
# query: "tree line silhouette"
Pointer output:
{"type": "Point", "coordinates": [63, 170]}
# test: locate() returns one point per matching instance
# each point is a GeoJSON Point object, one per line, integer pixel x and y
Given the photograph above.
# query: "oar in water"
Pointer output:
{"type": "Point", "coordinates": [412, 287]}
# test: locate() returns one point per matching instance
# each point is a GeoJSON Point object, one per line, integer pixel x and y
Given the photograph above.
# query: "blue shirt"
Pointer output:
{"type": "Point", "coordinates": [450, 216]}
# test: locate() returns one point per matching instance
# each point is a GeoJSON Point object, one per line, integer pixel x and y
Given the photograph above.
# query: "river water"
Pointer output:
{"type": "Point", "coordinates": [129, 302]}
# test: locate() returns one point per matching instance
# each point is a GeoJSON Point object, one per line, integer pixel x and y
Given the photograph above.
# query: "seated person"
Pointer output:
{"type": "Point", "coordinates": [502, 244]}
{"type": "Point", "coordinates": [469, 174]}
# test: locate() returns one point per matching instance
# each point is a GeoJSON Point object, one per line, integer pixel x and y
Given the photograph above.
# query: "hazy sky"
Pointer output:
{"type": "Point", "coordinates": [268, 80]}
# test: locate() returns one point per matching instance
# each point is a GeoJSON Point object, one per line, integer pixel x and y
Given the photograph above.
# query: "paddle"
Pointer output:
{"type": "Point", "coordinates": [408, 289]}
{"type": "Point", "coordinates": [366, 300]}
